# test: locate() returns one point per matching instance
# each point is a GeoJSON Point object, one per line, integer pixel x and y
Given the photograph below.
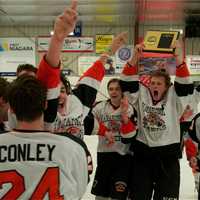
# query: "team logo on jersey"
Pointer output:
{"type": "Point", "coordinates": [153, 120]}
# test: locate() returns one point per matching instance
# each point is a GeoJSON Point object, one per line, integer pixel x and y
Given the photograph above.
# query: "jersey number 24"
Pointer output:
{"type": "Point", "coordinates": [49, 183]}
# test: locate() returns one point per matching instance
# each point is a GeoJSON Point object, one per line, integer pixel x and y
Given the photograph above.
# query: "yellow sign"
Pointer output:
{"type": "Point", "coordinates": [160, 41]}
{"type": "Point", "coordinates": [103, 42]}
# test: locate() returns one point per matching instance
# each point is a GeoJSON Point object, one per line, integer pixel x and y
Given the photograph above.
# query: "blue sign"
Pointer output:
{"type": "Point", "coordinates": [78, 29]}
{"type": "Point", "coordinates": [124, 53]}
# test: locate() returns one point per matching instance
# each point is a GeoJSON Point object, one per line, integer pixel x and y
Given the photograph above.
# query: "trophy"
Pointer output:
{"type": "Point", "coordinates": [160, 41]}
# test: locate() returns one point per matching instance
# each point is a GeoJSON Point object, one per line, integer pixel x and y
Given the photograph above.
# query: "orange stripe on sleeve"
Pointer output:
{"type": "Point", "coordinates": [127, 70]}
{"type": "Point", "coordinates": [48, 75]}
{"type": "Point", "coordinates": [128, 128]}
{"type": "Point", "coordinates": [182, 70]}
{"type": "Point", "coordinates": [102, 129]}
{"type": "Point", "coordinates": [96, 71]}
{"type": "Point", "coordinates": [190, 148]}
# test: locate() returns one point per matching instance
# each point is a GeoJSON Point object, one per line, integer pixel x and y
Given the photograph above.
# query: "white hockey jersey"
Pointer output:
{"type": "Point", "coordinates": [80, 101]}
{"type": "Point", "coordinates": [41, 165]}
{"type": "Point", "coordinates": [108, 116]}
{"type": "Point", "coordinates": [158, 124]}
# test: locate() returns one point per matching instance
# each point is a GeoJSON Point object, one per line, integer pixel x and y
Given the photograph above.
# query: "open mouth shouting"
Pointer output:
{"type": "Point", "coordinates": [156, 95]}
{"type": "Point", "coordinates": [157, 88]}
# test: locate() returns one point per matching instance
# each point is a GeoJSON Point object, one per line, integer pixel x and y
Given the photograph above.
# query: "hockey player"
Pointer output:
{"type": "Point", "coordinates": [22, 69]}
{"type": "Point", "coordinates": [114, 121]}
{"type": "Point", "coordinates": [74, 107]}
{"type": "Point", "coordinates": [157, 145]}
{"type": "Point", "coordinates": [26, 69]}
{"type": "Point", "coordinates": [194, 156]}
{"type": "Point", "coordinates": [41, 165]}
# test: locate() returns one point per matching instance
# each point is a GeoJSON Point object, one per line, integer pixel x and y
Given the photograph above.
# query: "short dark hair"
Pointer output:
{"type": "Point", "coordinates": [66, 83]}
{"type": "Point", "coordinates": [4, 84]}
{"type": "Point", "coordinates": [113, 80]}
{"type": "Point", "coordinates": [27, 98]}
{"type": "Point", "coordinates": [162, 73]}
{"type": "Point", "coordinates": [26, 67]}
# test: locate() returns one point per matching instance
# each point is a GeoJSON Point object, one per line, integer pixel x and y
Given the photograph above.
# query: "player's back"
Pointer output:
{"type": "Point", "coordinates": [41, 165]}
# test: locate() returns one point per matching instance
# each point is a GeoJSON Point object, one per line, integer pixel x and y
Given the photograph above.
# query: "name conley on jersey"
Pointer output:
{"type": "Point", "coordinates": [26, 152]}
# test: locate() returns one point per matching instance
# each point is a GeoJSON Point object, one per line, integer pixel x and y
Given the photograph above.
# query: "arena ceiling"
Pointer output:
{"type": "Point", "coordinates": [99, 12]}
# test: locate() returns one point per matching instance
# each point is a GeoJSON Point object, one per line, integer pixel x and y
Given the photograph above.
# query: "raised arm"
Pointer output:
{"type": "Point", "coordinates": [64, 24]}
{"type": "Point", "coordinates": [89, 83]}
{"type": "Point", "coordinates": [49, 67]}
{"type": "Point", "coordinates": [136, 55]}
{"type": "Point", "coordinates": [182, 83]}
{"type": "Point", "coordinates": [129, 76]}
